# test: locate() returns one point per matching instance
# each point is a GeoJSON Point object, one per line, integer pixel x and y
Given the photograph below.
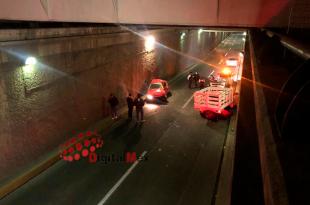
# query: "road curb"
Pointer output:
{"type": "Point", "coordinates": [224, 185]}
{"type": "Point", "coordinates": [224, 188]}
{"type": "Point", "coordinates": [22, 179]}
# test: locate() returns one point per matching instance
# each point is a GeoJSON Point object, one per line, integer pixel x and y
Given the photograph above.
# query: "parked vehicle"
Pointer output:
{"type": "Point", "coordinates": [214, 102]}
{"type": "Point", "coordinates": [234, 62]}
{"type": "Point", "coordinates": [158, 89]}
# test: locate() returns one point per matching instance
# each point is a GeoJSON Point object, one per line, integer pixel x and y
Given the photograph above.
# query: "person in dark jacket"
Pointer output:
{"type": "Point", "coordinates": [190, 78]}
{"type": "Point", "coordinates": [113, 101]}
{"type": "Point", "coordinates": [130, 105]}
{"type": "Point", "coordinates": [196, 79]}
{"type": "Point", "coordinates": [139, 103]}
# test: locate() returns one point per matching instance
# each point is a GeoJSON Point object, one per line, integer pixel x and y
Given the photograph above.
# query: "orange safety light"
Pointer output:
{"type": "Point", "coordinates": [226, 71]}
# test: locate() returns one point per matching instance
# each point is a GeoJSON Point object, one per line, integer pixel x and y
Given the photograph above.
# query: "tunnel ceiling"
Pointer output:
{"type": "Point", "coordinates": [256, 13]}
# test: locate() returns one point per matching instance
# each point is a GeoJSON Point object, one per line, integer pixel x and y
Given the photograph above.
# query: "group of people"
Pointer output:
{"type": "Point", "coordinates": [138, 102]}
{"type": "Point", "coordinates": [194, 78]}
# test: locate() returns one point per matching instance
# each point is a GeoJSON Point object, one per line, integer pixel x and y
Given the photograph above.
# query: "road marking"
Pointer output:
{"type": "Point", "coordinates": [210, 74]}
{"type": "Point", "coordinates": [174, 124]}
{"type": "Point", "coordinates": [182, 73]}
{"type": "Point", "coordinates": [121, 180]}
{"type": "Point", "coordinates": [188, 101]}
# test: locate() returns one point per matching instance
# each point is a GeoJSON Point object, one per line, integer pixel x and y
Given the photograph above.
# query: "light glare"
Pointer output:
{"type": "Point", "coordinates": [31, 61]}
{"type": "Point", "coordinates": [28, 69]}
{"type": "Point", "coordinates": [183, 35]}
{"type": "Point", "coordinates": [151, 106]}
{"type": "Point", "coordinates": [149, 43]}
{"type": "Point", "coordinates": [226, 71]}
{"type": "Point", "coordinates": [150, 97]}
{"type": "Point", "coordinates": [231, 62]}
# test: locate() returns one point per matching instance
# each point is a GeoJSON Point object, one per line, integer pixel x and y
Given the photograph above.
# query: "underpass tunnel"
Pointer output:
{"type": "Point", "coordinates": [54, 87]}
{"type": "Point", "coordinates": [60, 61]}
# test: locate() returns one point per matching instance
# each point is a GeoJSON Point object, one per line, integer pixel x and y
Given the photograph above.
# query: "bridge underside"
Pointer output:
{"type": "Point", "coordinates": [254, 13]}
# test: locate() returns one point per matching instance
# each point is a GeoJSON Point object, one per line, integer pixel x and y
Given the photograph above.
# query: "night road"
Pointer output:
{"type": "Point", "coordinates": [182, 155]}
{"type": "Point", "coordinates": [191, 102]}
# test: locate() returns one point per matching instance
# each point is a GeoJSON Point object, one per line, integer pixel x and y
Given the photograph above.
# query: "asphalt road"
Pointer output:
{"type": "Point", "coordinates": [183, 159]}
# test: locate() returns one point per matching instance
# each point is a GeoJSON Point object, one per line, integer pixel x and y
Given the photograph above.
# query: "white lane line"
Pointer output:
{"type": "Point", "coordinates": [182, 73]}
{"type": "Point", "coordinates": [121, 180]}
{"type": "Point", "coordinates": [210, 74]}
{"type": "Point", "coordinates": [188, 101]}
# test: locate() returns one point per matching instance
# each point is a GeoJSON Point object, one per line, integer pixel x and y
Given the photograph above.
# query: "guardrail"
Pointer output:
{"type": "Point", "coordinates": [290, 44]}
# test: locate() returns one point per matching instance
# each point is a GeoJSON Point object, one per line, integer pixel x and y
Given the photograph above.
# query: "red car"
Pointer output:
{"type": "Point", "coordinates": [158, 89]}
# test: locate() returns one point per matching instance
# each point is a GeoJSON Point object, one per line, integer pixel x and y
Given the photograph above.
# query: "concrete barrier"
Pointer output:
{"type": "Point", "coordinates": [272, 174]}
{"type": "Point", "coordinates": [224, 187]}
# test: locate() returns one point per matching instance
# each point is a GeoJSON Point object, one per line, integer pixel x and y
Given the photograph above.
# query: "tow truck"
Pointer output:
{"type": "Point", "coordinates": [158, 89]}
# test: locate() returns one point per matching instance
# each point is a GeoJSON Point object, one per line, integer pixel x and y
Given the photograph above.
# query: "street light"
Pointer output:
{"type": "Point", "coordinates": [30, 62]}
{"type": "Point", "coordinates": [149, 43]}
{"type": "Point", "coordinates": [183, 35]}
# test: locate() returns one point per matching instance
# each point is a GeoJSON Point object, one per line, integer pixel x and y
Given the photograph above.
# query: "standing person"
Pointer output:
{"type": "Point", "coordinates": [130, 105]}
{"type": "Point", "coordinates": [139, 103]}
{"type": "Point", "coordinates": [190, 78]}
{"type": "Point", "coordinates": [196, 78]}
{"type": "Point", "coordinates": [113, 101]}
